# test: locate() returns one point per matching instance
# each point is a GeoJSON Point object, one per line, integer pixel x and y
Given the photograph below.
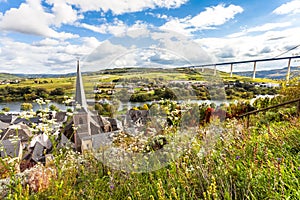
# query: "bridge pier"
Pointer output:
{"type": "Point", "coordinates": [254, 70]}
{"type": "Point", "coordinates": [231, 69]}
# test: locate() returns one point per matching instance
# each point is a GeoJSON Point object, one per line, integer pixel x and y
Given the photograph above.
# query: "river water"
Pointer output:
{"type": "Point", "coordinates": [15, 106]}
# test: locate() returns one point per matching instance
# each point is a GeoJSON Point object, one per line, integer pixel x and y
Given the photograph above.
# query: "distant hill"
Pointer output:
{"type": "Point", "coordinates": [271, 74]}
{"type": "Point", "coordinates": [45, 75]}
{"type": "Point", "coordinates": [7, 76]}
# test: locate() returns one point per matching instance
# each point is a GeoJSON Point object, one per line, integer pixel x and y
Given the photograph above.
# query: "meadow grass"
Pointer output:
{"type": "Point", "coordinates": [67, 83]}
{"type": "Point", "coordinates": [239, 163]}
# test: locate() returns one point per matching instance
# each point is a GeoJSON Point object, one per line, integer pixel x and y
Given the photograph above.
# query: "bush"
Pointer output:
{"type": "Point", "coordinates": [5, 109]}
{"type": "Point", "coordinates": [53, 108]}
{"type": "Point", "coordinates": [57, 91]}
{"type": "Point", "coordinates": [26, 106]}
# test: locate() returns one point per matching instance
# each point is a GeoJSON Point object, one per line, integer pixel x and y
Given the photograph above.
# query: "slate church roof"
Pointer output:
{"type": "Point", "coordinates": [10, 148]}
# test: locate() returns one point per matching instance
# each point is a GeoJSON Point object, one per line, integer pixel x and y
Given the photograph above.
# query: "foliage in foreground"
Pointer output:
{"type": "Point", "coordinates": [239, 163]}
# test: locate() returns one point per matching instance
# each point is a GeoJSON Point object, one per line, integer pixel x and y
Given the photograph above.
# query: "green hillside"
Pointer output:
{"type": "Point", "coordinates": [7, 76]}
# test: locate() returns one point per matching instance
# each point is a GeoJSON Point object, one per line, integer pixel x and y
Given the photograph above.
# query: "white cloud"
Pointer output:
{"type": "Point", "coordinates": [247, 47]}
{"type": "Point", "coordinates": [31, 18]}
{"type": "Point", "coordinates": [151, 48]}
{"type": "Point", "coordinates": [97, 29]}
{"type": "Point", "coordinates": [262, 28]}
{"type": "Point", "coordinates": [63, 13]}
{"type": "Point", "coordinates": [208, 19]}
{"type": "Point", "coordinates": [178, 25]}
{"type": "Point", "coordinates": [215, 16]}
{"type": "Point", "coordinates": [291, 7]}
{"type": "Point", "coordinates": [118, 7]}
{"type": "Point", "coordinates": [45, 56]}
{"type": "Point", "coordinates": [162, 16]}
{"type": "Point", "coordinates": [91, 42]}
{"type": "Point", "coordinates": [182, 47]}
{"type": "Point", "coordinates": [117, 27]}
{"type": "Point", "coordinates": [138, 29]}
{"type": "Point", "coordinates": [28, 18]}
{"type": "Point", "coordinates": [47, 42]}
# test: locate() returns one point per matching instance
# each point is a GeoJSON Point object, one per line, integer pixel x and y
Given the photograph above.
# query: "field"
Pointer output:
{"type": "Point", "coordinates": [68, 83]}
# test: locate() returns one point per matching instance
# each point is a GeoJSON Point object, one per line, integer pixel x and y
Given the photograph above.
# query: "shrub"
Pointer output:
{"type": "Point", "coordinates": [26, 106]}
{"type": "Point", "coordinates": [57, 91]}
{"type": "Point", "coordinates": [5, 109]}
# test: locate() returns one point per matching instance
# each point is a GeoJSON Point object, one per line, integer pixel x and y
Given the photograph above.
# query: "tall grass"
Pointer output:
{"type": "Point", "coordinates": [255, 163]}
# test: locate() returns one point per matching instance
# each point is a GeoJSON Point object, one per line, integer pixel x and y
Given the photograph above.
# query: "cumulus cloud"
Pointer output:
{"type": "Point", "coordinates": [45, 56]}
{"type": "Point", "coordinates": [153, 48]}
{"type": "Point", "coordinates": [31, 18]}
{"type": "Point", "coordinates": [118, 7]}
{"type": "Point", "coordinates": [208, 19]}
{"type": "Point", "coordinates": [47, 42]}
{"type": "Point", "coordinates": [117, 27]}
{"type": "Point", "coordinates": [291, 7]}
{"type": "Point", "coordinates": [262, 28]}
{"type": "Point", "coordinates": [63, 12]}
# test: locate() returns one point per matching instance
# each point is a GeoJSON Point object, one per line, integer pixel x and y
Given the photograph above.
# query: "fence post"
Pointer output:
{"type": "Point", "coordinates": [298, 108]}
{"type": "Point", "coordinates": [248, 121]}
{"type": "Point", "coordinates": [288, 71]}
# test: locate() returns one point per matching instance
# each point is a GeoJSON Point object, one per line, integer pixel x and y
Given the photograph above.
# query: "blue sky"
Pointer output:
{"type": "Point", "coordinates": [48, 36]}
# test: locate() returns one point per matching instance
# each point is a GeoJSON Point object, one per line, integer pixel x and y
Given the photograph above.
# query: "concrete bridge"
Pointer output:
{"type": "Point", "coordinates": [288, 59]}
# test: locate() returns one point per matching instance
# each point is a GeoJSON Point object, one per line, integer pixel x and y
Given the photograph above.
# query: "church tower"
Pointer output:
{"type": "Point", "coordinates": [86, 122]}
{"type": "Point", "coordinates": [80, 94]}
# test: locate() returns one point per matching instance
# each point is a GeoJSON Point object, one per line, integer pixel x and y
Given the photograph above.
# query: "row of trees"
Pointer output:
{"type": "Point", "coordinates": [28, 93]}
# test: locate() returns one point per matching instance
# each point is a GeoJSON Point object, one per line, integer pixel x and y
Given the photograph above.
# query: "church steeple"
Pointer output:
{"type": "Point", "coordinates": [80, 94]}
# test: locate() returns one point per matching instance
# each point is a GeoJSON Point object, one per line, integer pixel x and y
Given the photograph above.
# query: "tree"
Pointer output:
{"type": "Point", "coordinates": [169, 94]}
{"type": "Point", "coordinates": [57, 91]}
{"type": "Point", "coordinates": [53, 108]}
{"type": "Point", "coordinates": [292, 89]}
{"type": "Point", "coordinates": [5, 109]}
{"type": "Point", "coordinates": [42, 92]}
{"type": "Point", "coordinates": [26, 106]}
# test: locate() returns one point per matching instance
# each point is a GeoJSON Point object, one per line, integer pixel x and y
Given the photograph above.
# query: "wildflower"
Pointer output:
{"type": "Point", "coordinates": [112, 186]}
{"type": "Point", "coordinates": [237, 157]}
{"type": "Point", "coordinates": [39, 178]}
